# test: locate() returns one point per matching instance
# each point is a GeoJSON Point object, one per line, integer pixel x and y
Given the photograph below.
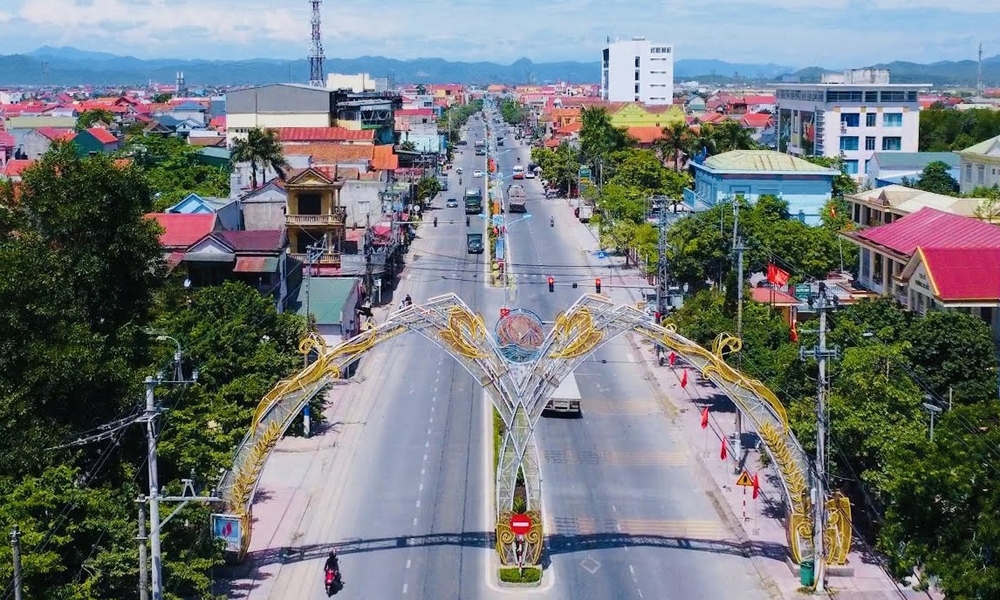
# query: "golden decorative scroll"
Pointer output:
{"type": "Point", "coordinates": [575, 334]}
{"type": "Point", "coordinates": [465, 333]}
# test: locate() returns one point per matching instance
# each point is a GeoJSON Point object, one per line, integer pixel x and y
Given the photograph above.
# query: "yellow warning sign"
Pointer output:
{"type": "Point", "coordinates": [745, 480]}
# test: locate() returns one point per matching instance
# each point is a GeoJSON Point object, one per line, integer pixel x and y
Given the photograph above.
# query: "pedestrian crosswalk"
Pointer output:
{"type": "Point", "coordinates": [688, 529]}
{"type": "Point", "coordinates": [620, 407]}
{"type": "Point", "coordinates": [631, 459]}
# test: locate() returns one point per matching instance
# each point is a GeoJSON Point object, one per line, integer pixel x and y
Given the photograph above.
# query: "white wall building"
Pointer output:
{"type": "Point", "coordinates": [638, 70]}
{"type": "Point", "coordinates": [360, 82]}
{"type": "Point", "coordinates": [852, 114]}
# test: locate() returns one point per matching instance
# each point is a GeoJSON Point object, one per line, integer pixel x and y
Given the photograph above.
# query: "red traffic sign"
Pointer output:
{"type": "Point", "coordinates": [520, 524]}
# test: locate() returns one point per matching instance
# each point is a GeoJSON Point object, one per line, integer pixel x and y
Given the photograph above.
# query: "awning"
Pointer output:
{"type": "Point", "coordinates": [382, 229]}
{"type": "Point", "coordinates": [256, 264]}
{"type": "Point", "coordinates": [219, 257]}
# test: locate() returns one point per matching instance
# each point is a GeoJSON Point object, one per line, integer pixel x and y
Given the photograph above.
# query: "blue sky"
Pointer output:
{"type": "Point", "coordinates": [832, 33]}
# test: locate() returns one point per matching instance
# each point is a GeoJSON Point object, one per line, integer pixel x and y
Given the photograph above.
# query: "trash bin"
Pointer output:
{"type": "Point", "coordinates": [806, 572]}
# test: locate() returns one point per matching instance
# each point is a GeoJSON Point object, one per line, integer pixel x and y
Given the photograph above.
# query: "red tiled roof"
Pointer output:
{"type": "Point", "coordinates": [963, 274]}
{"type": "Point", "coordinates": [218, 123]}
{"type": "Point", "coordinates": [6, 140]}
{"type": "Point", "coordinates": [773, 296]}
{"type": "Point", "coordinates": [384, 159]}
{"type": "Point", "coordinates": [16, 166]}
{"type": "Point", "coordinates": [253, 264]}
{"type": "Point", "coordinates": [646, 135]}
{"type": "Point", "coordinates": [756, 120]}
{"type": "Point", "coordinates": [208, 141]}
{"type": "Point", "coordinates": [759, 99]}
{"type": "Point", "coordinates": [569, 128]}
{"type": "Point", "coordinates": [102, 135]}
{"type": "Point", "coordinates": [56, 134]}
{"type": "Point", "coordinates": [181, 231]}
{"type": "Point", "coordinates": [332, 154]}
{"type": "Point", "coordinates": [263, 240]}
{"type": "Point", "coordinates": [931, 228]}
{"type": "Point", "coordinates": [324, 134]}
{"type": "Point", "coordinates": [414, 112]}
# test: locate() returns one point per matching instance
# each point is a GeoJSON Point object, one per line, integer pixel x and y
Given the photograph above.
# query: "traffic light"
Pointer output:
{"type": "Point", "coordinates": [552, 284]}
{"type": "Point", "coordinates": [597, 284]}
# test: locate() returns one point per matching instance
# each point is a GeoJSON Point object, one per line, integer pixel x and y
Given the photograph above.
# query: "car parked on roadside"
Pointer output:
{"type": "Point", "coordinates": [451, 203]}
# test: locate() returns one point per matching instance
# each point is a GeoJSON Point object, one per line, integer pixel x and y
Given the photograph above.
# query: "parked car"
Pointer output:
{"type": "Point", "coordinates": [451, 203]}
{"type": "Point", "coordinates": [477, 173]}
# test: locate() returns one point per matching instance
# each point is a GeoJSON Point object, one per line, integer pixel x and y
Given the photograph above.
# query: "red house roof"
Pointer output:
{"type": "Point", "coordinates": [102, 135]}
{"type": "Point", "coordinates": [384, 159]}
{"type": "Point", "coordinates": [963, 274]}
{"type": "Point", "coordinates": [931, 228]}
{"type": "Point", "coordinates": [324, 134]}
{"type": "Point", "coordinates": [16, 166]}
{"type": "Point", "coordinates": [756, 120]}
{"type": "Point", "coordinates": [414, 112]}
{"type": "Point", "coordinates": [646, 135]}
{"type": "Point", "coordinates": [180, 231]}
{"type": "Point", "coordinates": [262, 241]}
{"type": "Point", "coordinates": [56, 134]}
{"type": "Point", "coordinates": [773, 296]}
{"type": "Point", "coordinates": [6, 140]}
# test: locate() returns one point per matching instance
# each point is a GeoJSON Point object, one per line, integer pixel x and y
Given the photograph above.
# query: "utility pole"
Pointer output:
{"type": "Point", "coordinates": [821, 353]}
{"type": "Point", "coordinates": [314, 253]}
{"type": "Point", "coordinates": [154, 487]}
{"type": "Point", "coordinates": [662, 269]}
{"type": "Point", "coordinates": [738, 248]}
{"type": "Point", "coordinates": [143, 561]}
{"type": "Point", "coordinates": [15, 544]}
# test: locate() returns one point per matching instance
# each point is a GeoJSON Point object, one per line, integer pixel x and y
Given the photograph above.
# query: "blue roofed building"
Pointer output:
{"type": "Point", "coordinates": [805, 186]}
{"type": "Point", "coordinates": [227, 209]}
{"type": "Point", "coordinates": [889, 168]}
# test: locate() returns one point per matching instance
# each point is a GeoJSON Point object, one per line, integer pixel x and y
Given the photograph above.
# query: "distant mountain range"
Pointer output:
{"type": "Point", "coordinates": [65, 66]}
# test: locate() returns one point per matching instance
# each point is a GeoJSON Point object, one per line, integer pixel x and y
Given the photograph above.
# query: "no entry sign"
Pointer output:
{"type": "Point", "coordinates": [520, 524]}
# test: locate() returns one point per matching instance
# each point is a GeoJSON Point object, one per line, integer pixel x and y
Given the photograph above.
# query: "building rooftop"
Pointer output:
{"type": "Point", "coordinates": [181, 230]}
{"type": "Point", "coordinates": [962, 274]}
{"type": "Point", "coordinates": [762, 161]}
{"type": "Point", "coordinates": [913, 160]}
{"type": "Point", "coordinates": [990, 147]}
{"type": "Point", "coordinates": [909, 200]}
{"type": "Point", "coordinates": [327, 297]}
{"type": "Point", "coordinates": [930, 228]}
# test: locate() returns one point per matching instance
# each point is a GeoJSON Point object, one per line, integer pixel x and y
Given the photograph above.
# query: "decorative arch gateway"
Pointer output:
{"type": "Point", "coordinates": [519, 368]}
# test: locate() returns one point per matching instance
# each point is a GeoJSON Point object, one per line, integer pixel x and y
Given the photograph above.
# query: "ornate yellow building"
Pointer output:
{"type": "Point", "coordinates": [313, 214]}
{"type": "Point", "coordinates": [634, 114]}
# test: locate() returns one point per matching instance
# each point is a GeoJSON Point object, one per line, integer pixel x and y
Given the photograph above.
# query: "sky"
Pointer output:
{"type": "Point", "coordinates": [796, 33]}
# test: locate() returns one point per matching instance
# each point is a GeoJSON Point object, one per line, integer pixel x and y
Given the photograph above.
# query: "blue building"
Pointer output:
{"type": "Point", "coordinates": [805, 186]}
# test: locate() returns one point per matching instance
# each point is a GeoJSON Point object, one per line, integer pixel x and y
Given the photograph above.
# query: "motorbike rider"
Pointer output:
{"type": "Point", "coordinates": [408, 301]}
{"type": "Point", "coordinates": [332, 563]}
{"type": "Point", "coordinates": [552, 221]}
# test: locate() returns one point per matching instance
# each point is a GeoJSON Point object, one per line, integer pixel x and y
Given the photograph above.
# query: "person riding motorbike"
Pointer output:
{"type": "Point", "coordinates": [332, 562]}
{"type": "Point", "coordinates": [552, 221]}
{"type": "Point", "coordinates": [408, 301]}
{"type": "Point", "coordinates": [459, 181]}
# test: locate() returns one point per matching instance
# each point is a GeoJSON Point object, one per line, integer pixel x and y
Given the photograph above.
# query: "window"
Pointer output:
{"type": "Point", "coordinates": [893, 96]}
{"type": "Point", "coordinates": [980, 171]}
{"type": "Point", "coordinates": [870, 117]}
{"type": "Point", "coordinates": [892, 120]}
{"type": "Point", "coordinates": [310, 204]}
{"type": "Point", "coordinates": [911, 96]}
{"type": "Point", "coordinates": [637, 75]}
{"type": "Point", "coordinates": [871, 97]}
{"type": "Point", "coordinates": [851, 166]}
{"type": "Point", "coordinates": [636, 62]}
{"type": "Point", "coordinates": [849, 142]}
{"type": "Point", "coordinates": [892, 143]}
{"type": "Point", "coordinates": [877, 268]}
{"type": "Point", "coordinates": [868, 166]}
{"type": "Point", "coordinates": [968, 172]}
{"type": "Point", "coordinates": [637, 88]}
{"type": "Point", "coordinates": [833, 96]}
{"type": "Point", "coordinates": [850, 119]}
{"type": "Point", "coordinates": [870, 142]}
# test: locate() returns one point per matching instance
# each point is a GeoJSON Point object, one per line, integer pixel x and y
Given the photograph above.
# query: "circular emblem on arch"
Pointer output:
{"type": "Point", "coordinates": [520, 334]}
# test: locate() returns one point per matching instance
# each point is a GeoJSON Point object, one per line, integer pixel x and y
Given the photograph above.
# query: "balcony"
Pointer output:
{"type": "Point", "coordinates": [337, 217]}
{"type": "Point", "coordinates": [330, 258]}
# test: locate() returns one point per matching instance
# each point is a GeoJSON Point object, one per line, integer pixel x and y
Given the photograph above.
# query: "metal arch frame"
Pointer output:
{"type": "Point", "coordinates": [519, 392]}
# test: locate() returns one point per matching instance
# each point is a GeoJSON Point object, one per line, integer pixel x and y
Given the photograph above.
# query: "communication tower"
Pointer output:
{"type": "Point", "coordinates": [316, 57]}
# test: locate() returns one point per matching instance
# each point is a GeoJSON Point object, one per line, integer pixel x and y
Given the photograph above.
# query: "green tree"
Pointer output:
{"type": "Point", "coordinates": [936, 179]}
{"type": "Point", "coordinates": [729, 135]}
{"type": "Point", "coordinates": [559, 166]}
{"type": "Point", "coordinates": [639, 169]}
{"type": "Point", "coordinates": [427, 187]}
{"type": "Point", "coordinates": [93, 117]}
{"type": "Point", "coordinates": [954, 351]}
{"type": "Point", "coordinates": [677, 141]}
{"type": "Point", "coordinates": [599, 138]}
{"type": "Point", "coordinates": [173, 171]}
{"type": "Point", "coordinates": [621, 202]}
{"type": "Point", "coordinates": [408, 146]}
{"type": "Point", "coordinates": [948, 129]}
{"type": "Point", "coordinates": [261, 149]}
{"type": "Point", "coordinates": [162, 98]}
{"type": "Point", "coordinates": [512, 111]}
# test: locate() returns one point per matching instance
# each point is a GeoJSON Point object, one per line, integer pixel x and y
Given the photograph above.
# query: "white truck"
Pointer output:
{"type": "Point", "coordinates": [516, 199]}
{"type": "Point", "coordinates": [566, 398]}
{"type": "Point", "coordinates": [585, 212]}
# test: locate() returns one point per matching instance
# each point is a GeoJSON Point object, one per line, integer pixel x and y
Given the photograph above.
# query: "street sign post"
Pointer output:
{"type": "Point", "coordinates": [520, 524]}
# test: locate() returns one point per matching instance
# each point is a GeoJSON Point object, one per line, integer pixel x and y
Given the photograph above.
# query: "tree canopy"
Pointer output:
{"type": "Point", "coordinates": [936, 179]}
{"type": "Point", "coordinates": [173, 171]}
{"type": "Point", "coordinates": [944, 130]}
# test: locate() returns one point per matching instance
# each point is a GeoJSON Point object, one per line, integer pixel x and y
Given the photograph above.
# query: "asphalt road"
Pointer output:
{"type": "Point", "coordinates": [626, 512]}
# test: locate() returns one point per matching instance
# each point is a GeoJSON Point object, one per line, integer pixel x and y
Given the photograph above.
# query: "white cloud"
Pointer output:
{"type": "Point", "coordinates": [5, 17]}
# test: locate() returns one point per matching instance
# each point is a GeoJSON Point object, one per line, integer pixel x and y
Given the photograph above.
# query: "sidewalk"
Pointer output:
{"type": "Point", "coordinates": [758, 524]}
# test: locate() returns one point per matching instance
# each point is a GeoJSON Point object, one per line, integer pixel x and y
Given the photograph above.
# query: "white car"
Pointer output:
{"type": "Point", "coordinates": [477, 173]}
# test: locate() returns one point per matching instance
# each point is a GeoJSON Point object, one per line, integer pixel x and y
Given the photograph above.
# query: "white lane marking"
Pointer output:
{"type": "Point", "coordinates": [414, 521]}
{"type": "Point", "coordinates": [418, 503]}
{"type": "Point", "coordinates": [422, 472]}
{"type": "Point", "coordinates": [428, 431]}
{"type": "Point", "coordinates": [420, 487]}
{"type": "Point", "coordinates": [614, 508]}
{"type": "Point", "coordinates": [405, 587]}
{"type": "Point", "coordinates": [638, 591]}
{"type": "Point", "coordinates": [631, 570]}
{"type": "Point", "coordinates": [431, 421]}
{"type": "Point", "coordinates": [439, 370]}
{"type": "Point", "coordinates": [427, 444]}
{"type": "Point", "coordinates": [432, 408]}
{"type": "Point", "coordinates": [407, 563]}
{"type": "Point", "coordinates": [425, 456]}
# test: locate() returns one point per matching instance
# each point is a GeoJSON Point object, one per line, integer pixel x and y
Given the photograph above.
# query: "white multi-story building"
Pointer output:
{"type": "Point", "coordinates": [638, 70]}
{"type": "Point", "coordinates": [854, 114]}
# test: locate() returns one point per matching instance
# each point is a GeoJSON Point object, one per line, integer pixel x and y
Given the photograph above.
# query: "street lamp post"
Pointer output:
{"type": "Point", "coordinates": [933, 409]}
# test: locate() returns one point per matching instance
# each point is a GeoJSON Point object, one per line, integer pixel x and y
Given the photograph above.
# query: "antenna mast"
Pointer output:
{"type": "Point", "coordinates": [979, 75]}
{"type": "Point", "coordinates": [316, 57]}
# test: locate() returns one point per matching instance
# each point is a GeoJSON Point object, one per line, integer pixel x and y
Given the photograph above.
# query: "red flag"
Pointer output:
{"type": "Point", "coordinates": [672, 358]}
{"type": "Point", "coordinates": [704, 418]}
{"type": "Point", "coordinates": [756, 486]}
{"type": "Point", "coordinates": [684, 378]}
{"type": "Point", "coordinates": [777, 276]}
{"type": "Point", "coordinates": [722, 453]}
{"type": "Point", "coordinates": [795, 332]}
{"type": "Point", "coordinates": [833, 211]}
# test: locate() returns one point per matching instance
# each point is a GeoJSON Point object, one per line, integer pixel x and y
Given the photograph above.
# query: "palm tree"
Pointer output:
{"type": "Point", "coordinates": [260, 148]}
{"type": "Point", "coordinates": [676, 141]}
{"type": "Point", "coordinates": [731, 135]}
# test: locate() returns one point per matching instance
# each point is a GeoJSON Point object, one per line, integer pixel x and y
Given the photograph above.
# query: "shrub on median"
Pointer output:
{"type": "Point", "coordinates": [513, 575]}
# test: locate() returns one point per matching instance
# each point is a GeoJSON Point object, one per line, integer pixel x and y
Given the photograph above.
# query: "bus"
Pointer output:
{"type": "Point", "coordinates": [473, 201]}
{"type": "Point", "coordinates": [480, 148]}
{"type": "Point", "coordinates": [518, 172]}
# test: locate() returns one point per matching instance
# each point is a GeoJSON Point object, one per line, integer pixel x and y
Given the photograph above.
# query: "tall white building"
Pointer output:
{"type": "Point", "coordinates": [852, 114]}
{"type": "Point", "coordinates": [638, 70]}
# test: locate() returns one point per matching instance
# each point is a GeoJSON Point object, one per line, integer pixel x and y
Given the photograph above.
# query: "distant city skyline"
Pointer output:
{"type": "Point", "coordinates": [794, 33]}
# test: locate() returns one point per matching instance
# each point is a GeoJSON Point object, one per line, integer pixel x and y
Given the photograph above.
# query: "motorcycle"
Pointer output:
{"type": "Point", "coordinates": [552, 222]}
{"type": "Point", "coordinates": [333, 582]}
